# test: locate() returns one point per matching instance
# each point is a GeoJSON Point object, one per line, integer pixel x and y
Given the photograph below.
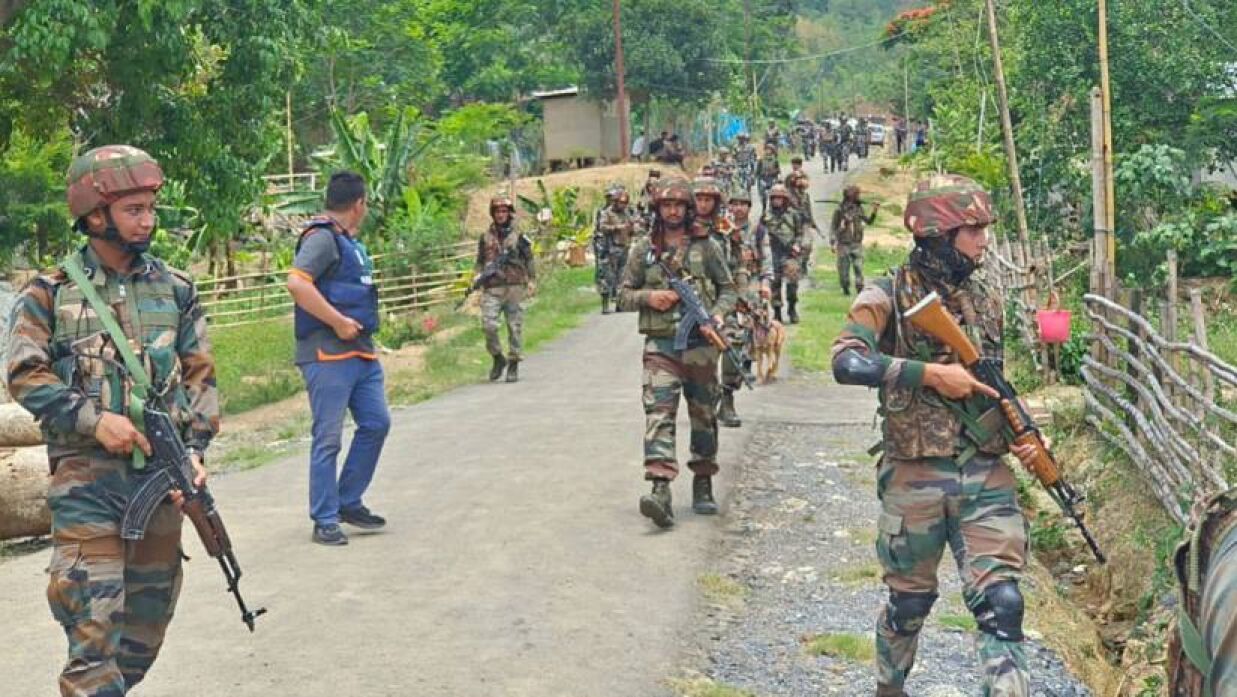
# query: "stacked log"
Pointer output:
{"type": "Point", "coordinates": [23, 475]}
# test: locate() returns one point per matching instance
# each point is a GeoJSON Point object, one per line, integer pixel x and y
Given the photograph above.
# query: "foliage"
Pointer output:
{"type": "Point", "coordinates": [568, 219]}
{"type": "Point", "coordinates": [32, 194]}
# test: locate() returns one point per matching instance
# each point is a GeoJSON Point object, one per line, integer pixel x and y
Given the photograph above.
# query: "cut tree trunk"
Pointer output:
{"type": "Point", "coordinates": [18, 429]}
{"type": "Point", "coordinates": [23, 494]}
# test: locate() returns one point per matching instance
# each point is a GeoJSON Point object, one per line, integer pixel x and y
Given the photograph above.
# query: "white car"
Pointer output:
{"type": "Point", "coordinates": [876, 134]}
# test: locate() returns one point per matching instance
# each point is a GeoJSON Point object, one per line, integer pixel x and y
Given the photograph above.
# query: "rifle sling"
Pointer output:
{"type": "Point", "coordinates": [72, 266]}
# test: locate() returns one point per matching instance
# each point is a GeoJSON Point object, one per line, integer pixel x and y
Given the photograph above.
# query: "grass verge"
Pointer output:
{"type": "Point", "coordinates": [822, 309]}
{"type": "Point", "coordinates": [850, 647]}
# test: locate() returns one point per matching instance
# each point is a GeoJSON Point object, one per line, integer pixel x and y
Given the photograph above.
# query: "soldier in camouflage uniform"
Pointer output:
{"type": "Point", "coordinates": [645, 206]}
{"type": "Point", "coordinates": [801, 201]}
{"type": "Point", "coordinates": [785, 228]}
{"type": "Point", "coordinates": [941, 479]}
{"type": "Point", "coordinates": [113, 597]}
{"type": "Point", "coordinates": [847, 232]}
{"type": "Point", "coordinates": [768, 171]}
{"type": "Point", "coordinates": [616, 228]}
{"type": "Point", "coordinates": [751, 264]}
{"type": "Point", "coordinates": [1202, 655]}
{"type": "Point", "coordinates": [773, 135]}
{"type": "Point", "coordinates": [511, 254]}
{"type": "Point", "coordinates": [687, 249]}
{"type": "Point", "coordinates": [600, 250]}
{"type": "Point", "coordinates": [745, 157]}
{"type": "Point", "coordinates": [725, 171]}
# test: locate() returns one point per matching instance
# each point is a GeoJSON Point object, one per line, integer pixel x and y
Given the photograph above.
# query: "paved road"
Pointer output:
{"type": "Point", "coordinates": [515, 562]}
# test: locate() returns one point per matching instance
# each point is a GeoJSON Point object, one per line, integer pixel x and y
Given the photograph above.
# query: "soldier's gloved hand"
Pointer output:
{"type": "Point", "coordinates": [347, 329]}
{"type": "Point", "coordinates": [954, 381]}
{"type": "Point", "coordinates": [662, 300]}
{"type": "Point", "coordinates": [118, 435]}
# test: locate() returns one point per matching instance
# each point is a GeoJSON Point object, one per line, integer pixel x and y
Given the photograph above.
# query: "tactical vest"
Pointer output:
{"type": "Point", "coordinates": [783, 229]}
{"type": "Point", "coordinates": [616, 227]}
{"type": "Point", "coordinates": [693, 260]}
{"type": "Point", "coordinates": [751, 239]}
{"type": "Point", "coordinates": [919, 422]}
{"type": "Point", "coordinates": [84, 355]}
{"type": "Point", "coordinates": [348, 285]}
{"type": "Point", "coordinates": [514, 272]}
{"type": "Point", "coordinates": [1206, 569]}
{"type": "Point", "coordinates": [851, 229]}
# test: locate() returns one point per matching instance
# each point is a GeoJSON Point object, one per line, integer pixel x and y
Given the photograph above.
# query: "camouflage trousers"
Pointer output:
{"type": "Point", "coordinates": [735, 333]}
{"type": "Point", "coordinates": [928, 504]}
{"type": "Point", "coordinates": [786, 271]}
{"type": "Point", "coordinates": [114, 598]}
{"type": "Point", "coordinates": [850, 255]}
{"type": "Point", "coordinates": [669, 374]}
{"type": "Point", "coordinates": [610, 270]}
{"type": "Point", "coordinates": [496, 302]}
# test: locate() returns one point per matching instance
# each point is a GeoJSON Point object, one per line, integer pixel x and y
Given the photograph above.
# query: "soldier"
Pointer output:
{"type": "Point", "coordinates": [505, 265]}
{"type": "Point", "coordinates": [686, 249]}
{"type": "Point", "coordinates": [846, 141]}
{"type": "Point", "coordinates": [724, 171]}
{"type": "Point", "coordinates": [773, 135]}
{"type": "Point", "coordinates": [785, 229]}
{"type": "Point", "coordinates": [847, 231]}
{"type": "Point", "coordinates": [645, 207]}
{"type": "Point", "coordinates": [113, 597]}
{"type": "Point", "coordinates": [601, 249]}
{"type": "Point", "coordinates": [941, 479]}
{"type": "Point", "coordinates": [768, 171]}
{"type": "Point", "coordinates": [1202, 655]}
{"type": "Point", "coordinates": [752, 268]}
{"type": "Point", "coordinates": [745, 157]}
{"type": "Point", "coordinates": [617, 227]}
{"type": "Point", "coordinates": [801, 201]}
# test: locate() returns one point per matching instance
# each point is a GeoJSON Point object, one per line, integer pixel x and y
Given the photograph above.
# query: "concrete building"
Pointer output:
{"type": "Point", "coordinates": [577, 129]}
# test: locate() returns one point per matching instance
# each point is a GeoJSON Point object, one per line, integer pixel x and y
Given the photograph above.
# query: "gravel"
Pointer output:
{"type": "Point", "coordinates": [800, 530]}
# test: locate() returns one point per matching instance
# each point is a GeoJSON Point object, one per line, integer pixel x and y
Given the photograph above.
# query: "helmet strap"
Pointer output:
{"type": "Point", "coordinates": [111, 234]}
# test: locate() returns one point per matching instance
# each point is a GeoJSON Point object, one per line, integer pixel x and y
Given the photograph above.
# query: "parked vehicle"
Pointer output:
{"type": "Point", "coordinates": [876, 134]}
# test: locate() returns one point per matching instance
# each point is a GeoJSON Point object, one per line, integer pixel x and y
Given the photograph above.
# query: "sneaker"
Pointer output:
{"type": "Point", "coordinates": [362, 518]}
{"type": "Point", "coordinates": [330, 535]}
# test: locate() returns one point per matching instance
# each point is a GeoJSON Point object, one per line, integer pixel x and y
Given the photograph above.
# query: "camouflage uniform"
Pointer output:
{"type": "Point", "coordinates": [941, 480]}
{"type": "Point", "coordinates": [745, 158]}
{"type": "Point", "coordinates": [752, 267]}
{"type": "Point", "coordinates": [615, 229]}
{"type": "Point", "coordinates": [785, 229]}
{"type": "Point", "coordinates": [768, 170]}
{"type": "Point", "coordinates": [113, 597]}
{"type": "Point", "coordinates": [1202, 655]}
{"type": "Point", "coordinates": [504, 293]}
{"type": "Point", "coordinates": [801, 201]}
{"type": "Point", "coordinates": [847, 230]}
{"type": "Point", "coordinates": [691, 373]}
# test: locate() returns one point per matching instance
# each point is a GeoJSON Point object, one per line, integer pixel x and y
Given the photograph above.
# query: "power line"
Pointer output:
{"type": "Point", "coordinates": [1185, 5]}
{"type": "Point", "coordinates": [798, 59]}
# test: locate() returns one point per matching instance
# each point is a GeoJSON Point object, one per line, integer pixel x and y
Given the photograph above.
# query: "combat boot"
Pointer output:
{"type": "Point", "coordinates": [777, 313]}
{"type": "Point", "coordinates": [496, 370]}
{"type": "Point", "coordinates": [702, 495]}
{"type": "Point", "coordinates": [888, 691]}
{"type": "Point", "coordinates": [605, 305]}
{"type": "Point", "coordinates": [657, 504]}
{"type": "Point", "coordinates": [513, 371]}
{"type": "Point", "coordinates": [726, 415]}
{"type": "Point", "coordinates": [845, 289]}
{"type": "Point", "coordinates": [791, 314]}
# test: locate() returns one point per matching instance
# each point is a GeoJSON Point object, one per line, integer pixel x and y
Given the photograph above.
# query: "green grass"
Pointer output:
{"type": "Point", "coordinates": [563, 299]}
{"type": "Point", "coordinates": [253, 364]}
{"type": "Point", "coordinates": [822, 310]}
{"type": "Point", "coordinates": [1222, 337]}
{"type": "Point", "coordinates": [705, 687]}
{"type": "Point", "coordinates": [855, 648]}
{"type": "Point", "coordinates": [961, 623]}
{"type": "Point", "coordinates": [720, 589]}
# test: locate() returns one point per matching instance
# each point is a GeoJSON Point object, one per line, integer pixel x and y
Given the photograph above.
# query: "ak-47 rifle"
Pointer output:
{"type": "Point", "coordinates": [694, 315]}
{"type": "Point", "coordinates": [929, 315]}
{"type": "Point", "coordinates": [490, 271]}
{"type": "Point", "coordinates": [171, 469]}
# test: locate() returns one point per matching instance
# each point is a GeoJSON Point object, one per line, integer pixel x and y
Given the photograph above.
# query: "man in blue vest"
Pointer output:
{"type": "Point", "coordinates": [332, 283]}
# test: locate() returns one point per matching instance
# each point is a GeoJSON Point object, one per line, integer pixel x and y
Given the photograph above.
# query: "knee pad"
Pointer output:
{"type": "Point", "coordinates": [999, 611]}
{"type": "Point", "coordinates": [907, 611]}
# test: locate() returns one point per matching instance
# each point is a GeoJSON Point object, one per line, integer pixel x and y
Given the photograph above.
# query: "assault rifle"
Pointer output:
{"type": "Point", "coordinates": [171, 469]}
{"type": "Point", "coordinates": [929, 315]}
{"type": "Point", "coordinates": [696, 316]}
{"type": "Point", "coordinates": [490, 271]}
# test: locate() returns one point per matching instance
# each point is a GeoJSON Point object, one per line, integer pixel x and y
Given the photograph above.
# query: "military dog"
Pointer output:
{"type": "Point", "coordinates": [768, 338]}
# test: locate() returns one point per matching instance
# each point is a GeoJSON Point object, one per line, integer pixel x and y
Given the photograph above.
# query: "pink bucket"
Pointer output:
{"type": "Point", "coordinates": [1053, 325]}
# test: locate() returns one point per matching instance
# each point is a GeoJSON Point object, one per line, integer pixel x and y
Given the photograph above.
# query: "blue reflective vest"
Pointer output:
{"type": "Point", "coordinates": [348, 285]}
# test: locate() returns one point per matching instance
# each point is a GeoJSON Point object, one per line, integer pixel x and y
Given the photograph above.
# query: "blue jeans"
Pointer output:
{"type": "Point", "coordinates": [334, 387]}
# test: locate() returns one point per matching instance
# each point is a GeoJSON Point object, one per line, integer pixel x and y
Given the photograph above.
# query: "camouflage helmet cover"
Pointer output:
{"type": "Point", "coordinates": [741, 195]}
{"type": "Point", "coordinates": [98, 177]}
{"type": "Point", "coordinates": [501, 201]}
{"type": "Point", "coordinates": [675, 190]}
{"type": "Point", "coordinates": [706, 186]}
{"type": "Point", "coordinates": [723, 150]}
{"type": "Point", "coordinates": [779, 191]}
{"type": "Point", "coordinates": [851, 192]}
{"type": "Point", "coordinates": [744, 136]}
{"type": "Point", "coordinates": [944, 202]}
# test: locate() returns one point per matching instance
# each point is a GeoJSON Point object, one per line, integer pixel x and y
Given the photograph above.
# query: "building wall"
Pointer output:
{"type": "Point", "coordinates": [573, 128]}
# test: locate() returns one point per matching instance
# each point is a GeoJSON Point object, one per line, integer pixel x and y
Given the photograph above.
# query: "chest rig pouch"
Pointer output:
{"type": "Point", "coordinates": [919, 422]}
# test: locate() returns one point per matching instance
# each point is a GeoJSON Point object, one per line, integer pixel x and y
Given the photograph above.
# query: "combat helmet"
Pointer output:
{"type": "Point", "coordinates": [707, 186]}
{"type": "Point", "coordinates": [501, 201]}
{"type": "Point", "coordinates": [779, 191]}
{"type": "Point", "coordinates": [675, 190]}
{"type": "Point", "coordinates": [740, 195]}
{"type": "Point", "coordinates": [100, 176]}
{"type": "Point", "coordinates": [945, 202]}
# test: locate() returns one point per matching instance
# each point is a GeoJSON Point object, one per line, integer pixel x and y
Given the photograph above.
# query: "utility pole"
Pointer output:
{"type": "Point", "coordinates": [1110, 197]}
{"type": "Point", "coordinates": [624, 130]}
{"type": "Point", "coordinates": [288, 127]}
{"type": "Point", "coordinates": [1007, 127]}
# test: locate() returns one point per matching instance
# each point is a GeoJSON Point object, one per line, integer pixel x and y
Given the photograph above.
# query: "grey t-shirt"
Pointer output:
{"type": "Point", "coordinates": [317, 255]}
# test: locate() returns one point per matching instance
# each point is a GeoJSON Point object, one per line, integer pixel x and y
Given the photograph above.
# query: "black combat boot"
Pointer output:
{"type": "Point", "coordinates": [605, 305]}
{"type": "Point", "coordinates": [845, 289]}
{"type": "Point", "coordinates": [726, 414]}
{"type": "Point", "coordinates": [496, 370]}
{"type": "Point", "coordinates": [791, 314]}
{"type": "Point", "coordinates": [657, 505]}
{"type": "Point", "coordinates": [513, 371]}
{"type": "Point", "coordinates": [888, 691]}
{"type": "Point", "coordinates": [702, 495]}
{"type": "Point", "coordinates": [777, 313]}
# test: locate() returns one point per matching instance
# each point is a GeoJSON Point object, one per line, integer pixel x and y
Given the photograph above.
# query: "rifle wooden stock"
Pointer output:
{"type": "Point", "coordinates": [930, 316]}
{"type": "Point", "coordinates": [1043, 465]}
